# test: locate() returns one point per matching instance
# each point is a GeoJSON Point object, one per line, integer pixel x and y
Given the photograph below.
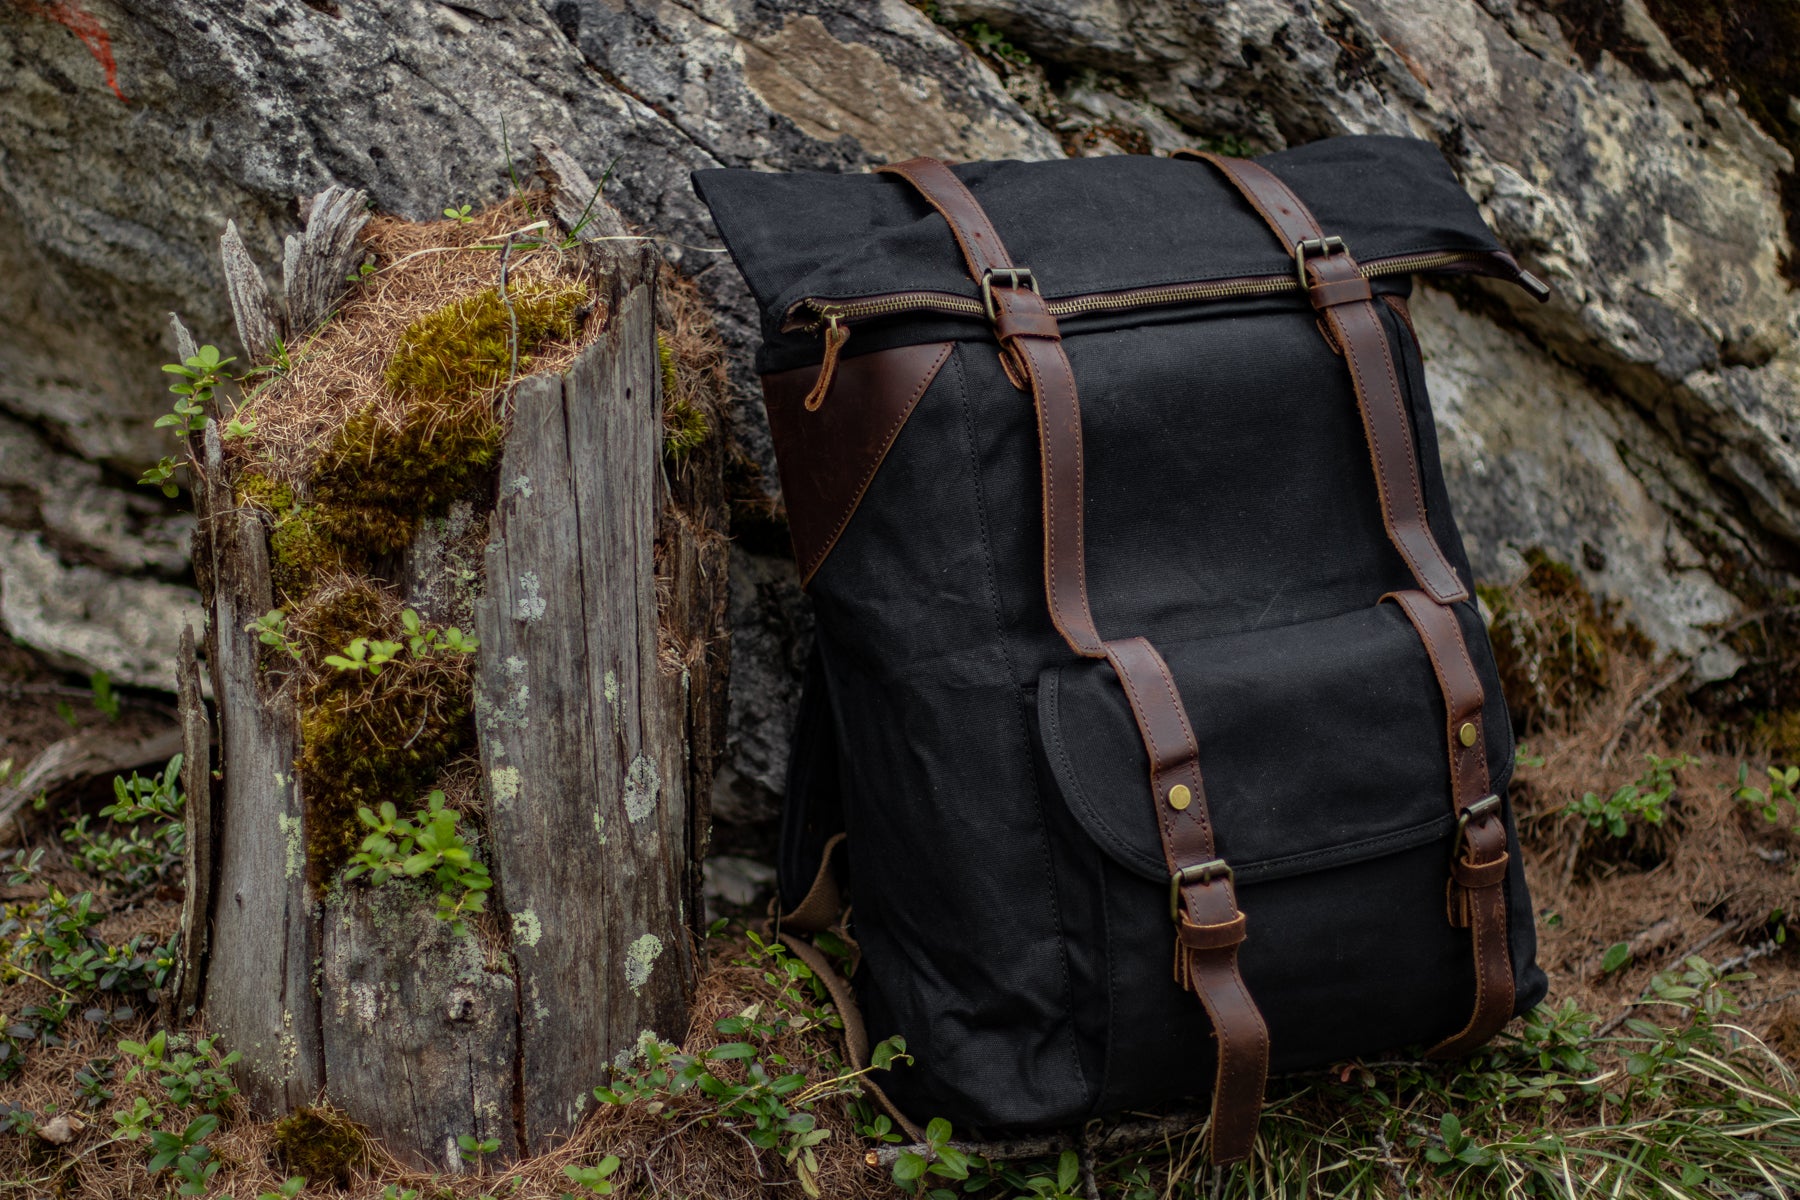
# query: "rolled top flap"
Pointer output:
{"type": "Point", "coordinates": [1321, 744]}
{"type": "Point", "coordinates": [1083, 226]}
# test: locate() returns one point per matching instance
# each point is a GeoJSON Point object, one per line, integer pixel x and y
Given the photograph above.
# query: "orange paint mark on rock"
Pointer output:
{"type": "Point", "coordinates": [93, 35]}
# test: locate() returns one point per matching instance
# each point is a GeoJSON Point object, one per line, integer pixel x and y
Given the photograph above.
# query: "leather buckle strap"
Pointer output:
{"type": "Point", "coordinates": [1329, 277]}
{"type": "Point", "coordinates": [1316, 245]}
{"type": "Point", "coordinates": [1208, 935]}
{"type": "Point", "coordinates": [1016, 277]}
{"type": "Point", "coordinates": [1475, 891]}
{"type": "Point", "coordinates": [1204, 872]}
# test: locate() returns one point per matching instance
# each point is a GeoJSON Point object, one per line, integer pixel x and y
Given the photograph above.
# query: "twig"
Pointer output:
{"type": "Point", "coordinates": [1393, 1167]}
{"type": "Point", "coordinates": [1089, 1185]}
{"type": "Point", "coordinates": [1749, 956]}
{"type": "Point", "coordinates": [1644, 942]}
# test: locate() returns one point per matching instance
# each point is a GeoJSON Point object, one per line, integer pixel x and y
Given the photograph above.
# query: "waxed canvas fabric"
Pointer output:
{"type": "Point", "coordinates": [1008, 887]}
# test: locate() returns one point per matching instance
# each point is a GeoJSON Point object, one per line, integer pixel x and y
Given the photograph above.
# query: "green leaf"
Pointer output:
{"type": "Point", "coordinates": [937, 1132]}
{"type": "Point", "coordinates": [908, 1167]}
{"type": "Point", "coordinates": [732, 1050]}
{"type": "Point", "coordinates": [1616, 956]}
{"type": "Point", "coordinates": [1068, 1170]}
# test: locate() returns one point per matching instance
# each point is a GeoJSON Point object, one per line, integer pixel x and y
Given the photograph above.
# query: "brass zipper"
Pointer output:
{"type": "Point", "coordinates": [813, 313]}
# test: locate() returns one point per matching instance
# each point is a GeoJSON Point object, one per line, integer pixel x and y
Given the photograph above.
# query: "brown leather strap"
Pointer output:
{"type": "Point", "coordinates": [1346, 307]}
{"type": "Point", "coordinates": [1209, 924]}
{"type": "Point", "coordinates": [1476, 890]}
{"type": "Point", "coordinates": [823, 903]}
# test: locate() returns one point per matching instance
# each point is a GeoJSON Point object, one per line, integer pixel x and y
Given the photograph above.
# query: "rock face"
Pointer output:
{"type": "Point", "coordinates": [1644, 426]}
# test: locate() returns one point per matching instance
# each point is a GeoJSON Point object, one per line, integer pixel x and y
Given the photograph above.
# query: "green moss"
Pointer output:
{"type": "Point", "coordinates": [376, 483]}
{"type": "Point", "coordinates": [321, 1145]}
{"type": "Point", "coordinates": [467, 346]}
{"type": "Point", "coordinates": [300, 552]}
{"type": "Point", "coordinates": [685, 427]}
{"type": "Point", "coordinates": [368, 738]}
{"type": "Point", "coordinates": [256, 490]}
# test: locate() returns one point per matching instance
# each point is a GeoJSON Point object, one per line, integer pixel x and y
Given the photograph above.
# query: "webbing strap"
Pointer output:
{"type": "Point", "coordinates": [1347, 307]}
{"type": "Point", "coordinates": [1209, 924]}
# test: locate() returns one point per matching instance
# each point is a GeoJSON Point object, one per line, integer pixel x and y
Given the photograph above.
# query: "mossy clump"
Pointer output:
{"type": "Point", "coordinates": [369, 736]}
{"type": "Point", "coordinates": [467, 346]}
{"type": "Point", "coordinates": [1553, 642]}
{"type": "Point", "coordinates": [376, 483]}
{"type": "Point", "coordinates": [301, 553]}
{"type": "Point", "coordinates": [258, 491]}
{"type": "Point", "coordinates": [320, 1144]}
{"type": "Point", "coordinates": [685, 427]}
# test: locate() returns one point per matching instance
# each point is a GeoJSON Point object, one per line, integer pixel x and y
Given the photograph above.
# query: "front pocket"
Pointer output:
{"type": "Point", "coordinates": [1321, 744]}
{"type": "Point", "coordinates": [1328, 782]}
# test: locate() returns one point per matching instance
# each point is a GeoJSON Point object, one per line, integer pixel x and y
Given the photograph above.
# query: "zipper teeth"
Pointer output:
{"type": "Point", "coordinates": [951, 304]}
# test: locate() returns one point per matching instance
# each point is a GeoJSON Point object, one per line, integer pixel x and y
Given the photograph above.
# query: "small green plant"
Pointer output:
{"type": "Point", "coordinates": [137, 858]}
{"type": "Point", "coordinates": [105, 699]}
{"type": "Point", "coordinates": [460, 214]}
{"type": "Point", "coordinates": [1640, 801]}
{"type": "Point", "coordinates": [361, 273]}
{"type": "Point", "coordinates": [365, 654]}
{"type": "Point", "coordinates": [185, 1155]}
{"type": "Point", "coordinates": [476, 1148]}
{"type": "Point", "coordinates": [428, 844]}
{"type": "Point", "coordinates": [240, 424]}
{"type": "Point", "coordinates": [193, 1077]}
{"type": "Point", "coordinates": [992, 43]}
{"type": "Point", "coordinates": [1771, 800]}
{"type": "Point", "coordinates": [749, 1086]}
{"type": "Point", "coordinates": [202, 375]}
{"type": "Point", "coordinates": [422, 639]}
{"type": "Point", "coordinates": [593, 1181]}
{"type": "Point", "coordinates": [940, 1158]}
{"type": "Point", "coordinates": [391, 1192]}
{"type": "Point", "coordinates": [271, 629]}
{"type": "Point", "coordinates": [291, 1187]}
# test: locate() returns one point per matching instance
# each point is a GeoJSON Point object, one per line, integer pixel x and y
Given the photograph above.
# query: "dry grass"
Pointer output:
{"type": "Point", "coordinates": [338, 372]}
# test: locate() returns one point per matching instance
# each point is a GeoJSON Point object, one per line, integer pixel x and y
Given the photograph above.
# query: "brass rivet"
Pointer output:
{"type": "Point", "coordinates": [1466, 735]}
{"type": "Point", "coordinates": [1180, 797]}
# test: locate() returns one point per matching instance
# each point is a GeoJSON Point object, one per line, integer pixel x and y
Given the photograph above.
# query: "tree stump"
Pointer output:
{"type": "Point", "coordinates": [597, 705]}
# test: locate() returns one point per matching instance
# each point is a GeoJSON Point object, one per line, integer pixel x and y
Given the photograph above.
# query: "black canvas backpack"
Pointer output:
{"type": "Point", "coordinates": [1152, 707]}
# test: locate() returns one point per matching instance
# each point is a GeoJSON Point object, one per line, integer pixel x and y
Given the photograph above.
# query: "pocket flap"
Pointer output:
{"type": "Point", "coordinates": [1320, 744]}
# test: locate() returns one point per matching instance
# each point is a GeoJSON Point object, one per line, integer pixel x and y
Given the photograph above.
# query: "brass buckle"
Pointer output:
{"type": "Point", "coordinates": [1015, 277]}
{"type": "Point", "coordinates": [1320, 246]}
{"type": "Point", "coordinates": [1204, 872]}
{"type": "Point", "coordinates": [1480, 808]}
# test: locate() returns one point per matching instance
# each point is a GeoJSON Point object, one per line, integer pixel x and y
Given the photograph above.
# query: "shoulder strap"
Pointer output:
{"type": "Point", "coordinates": [1209, 926]}
{"type": "Point", "coordinates": [1476, 892]}
{"type": "Point", "coordinates": [1346, 306]}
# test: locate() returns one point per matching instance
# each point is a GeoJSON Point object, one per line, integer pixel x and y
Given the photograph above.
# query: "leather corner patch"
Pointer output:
{"type": "Point", "coordinates": [828, 457]}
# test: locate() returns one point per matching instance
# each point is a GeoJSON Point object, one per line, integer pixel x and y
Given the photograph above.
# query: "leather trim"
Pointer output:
{"type": "Point", "coordinates": [829, 456]}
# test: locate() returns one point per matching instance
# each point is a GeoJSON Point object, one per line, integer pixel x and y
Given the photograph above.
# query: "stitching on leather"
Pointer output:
{"type": "Point", "coordinates": [887, 443]}
{"type": "Point", "coordinates": [1412, 465]}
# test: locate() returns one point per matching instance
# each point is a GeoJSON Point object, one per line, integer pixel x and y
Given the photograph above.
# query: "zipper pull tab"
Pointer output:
{"type": "Point", "coordinates": [835, 337]}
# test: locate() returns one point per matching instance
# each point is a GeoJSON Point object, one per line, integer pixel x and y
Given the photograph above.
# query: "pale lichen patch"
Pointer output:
{"type": "Point", "coordinates": [503, 782]}
{"type": "Point", "coordinates": [531, 604]}
{"type": "Point", "coordinates": [526, 928]}
{"type": "Point", "coordinates": [640, 957]}
{"type": "Point", "coordinates": [641, 786]}
{"type": "Point", "coordinates": [294, 845]}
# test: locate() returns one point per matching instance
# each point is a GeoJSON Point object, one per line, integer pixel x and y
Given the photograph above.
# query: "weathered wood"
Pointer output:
{"type": "Point", "coordinates": [587, 778]}
{"type": "Point", "coordinates": [265, 926]}
{"type": "Point", "coordinates": [76, 760]}
{"type": "Point", "coordinates": [575, 196]}
{"type": "Point", "coordinates": [314, 263]}
{"type": "Point", "coordinates": [596, 745]}
{"type": "Point", "coordinates": [182, 995]}
{"type": "Point", "coordinates": [257, 325]}
{"type": "Point", "coordinates": [418, 1026]}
